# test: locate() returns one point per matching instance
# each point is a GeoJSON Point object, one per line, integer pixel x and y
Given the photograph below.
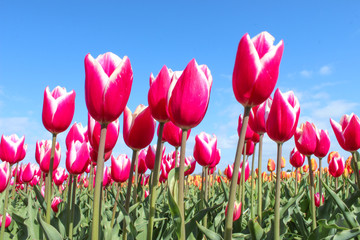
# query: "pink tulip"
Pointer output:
{"type": "Point", "coordinates": [172, 134]}
{"type": "Point", "coordinates": [43, 190]}
{"type": "Point", "coordinates": [144, 180]}
{"type": "Point", "coordinates": [347, 132]}
{"type": "Point", "coordinates": [12, 148]}
{"type": "Point", "coordinates": [76, 133]}
{"type": "Point", "coordinates": [58, 109]}
{"type": "Point", "coordinates": [257, 117]}
{"type": "Point", "coordinates": [94, 155]}
{"type": "Point", "coordinates": [249, 132]}
{"type": "Point", "coordinates": [112, 134]}
{"type": "Point", "coordinates": [237, 211]}
{"type": "Point", "coordinates": [230, 168]}
{"type": "Point", "coordinates": [35, 180]}
{"type": "Point", "coordinates": [106, 176]}
{"type": "Point", "coordinates": [28, 172]}
{"type": "Point", "coordinates": [43, 152]}
{"type": "Point", "coordinates": [139, 127]}
{"type": "Point", "coordinates": [317, 199]}
{"type": "Point", "coordinates": [157, 96]}
{"type": "Point", "coordinates": [7, 220]}
{"type": "Point", "coordinates": [306, 138]}
{"type": "Point", "coordinates": [55, 203]}
{"type": "Point", "coordinates": [146, 193]}
{"type": "Point", "coordinates": [5, 175]}
{"type": "Point", "coordinates": [296, 158]}
{"type": "Point", "coordinates": [336, 166]}
{"type": "Point", "coordinates": [141, 164]}
{"type": "Point", "coordinates": [282, 116]}
{"type": "Point", "coordinates": [192, 162]}
{"type": "Point", "coordinates": [189, 95]}
{"type": "Point", "coordinates": [59, 176]}
{"type": "Point", "coordinates": [250, 147]}
{"type": "Point", "coordinates": [255, 138]}
{"type": "Point", "coordinates": [108, 81]}
{"type": "Point", "coordinates": [256, 68]}
{"type": "Point", "coordinates": [217, 159]}
{"type": "Point", "coordinates": [77, 157]}
{"type": "Point", "coordinates": [323, 143]}
{"type": "Point", "coordinates": [150, 156]}
{"type": "Point", "coordinates": [120, 168]}
{"type": "Point", "coordinates": [205, 149]}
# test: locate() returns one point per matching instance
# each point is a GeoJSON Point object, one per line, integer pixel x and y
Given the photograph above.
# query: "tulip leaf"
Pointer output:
{"type": "Point", "coordinates": [175, 212]}
{"type": "Point", "coordinates": [349, 216]}
{"type": "Point", "coordinates": [256, 230]}
{"type": "Point", "coordinates": [40, 198]}
{"type": "Point", "coordinates": [50, 231]}
{"type": "Point", "coordinates": [225, 189]}
{"type": "Point", "coordinates": [347, 234]}
{"type": "Point", "coordinates": [291, 202]}
{"type": "Point", "coordinates": [208, 233]}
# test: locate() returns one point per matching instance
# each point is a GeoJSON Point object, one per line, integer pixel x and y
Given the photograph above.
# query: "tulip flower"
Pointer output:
{"type": "Point", "coordinates": [249, 132]}
{"type": "Point", "coordinates": [59, 176]}
{"type": "Point", "coordinates": [250, 147]}
{"type": "Point", "coordinates": [12, 148]}
{"type": "Point", "coordinates": [306, 138]}
{"type": "Point", "coordinates": [42, 155]}
{"type": "Point", "coordinates": [283, 162]}
{"type": "Point", "coordinates": [94, 131]}
{"type": "Point", "coordinates": [58, 109]}
{"type": "Point", "coordinates": [189, 95]}
{"type": "Point", "coordinates": [282, 116]}
{"type": "Point", "coordinates": [296, 158]}
{"type": "Point", "coordinates": [323, 143]}
{"type": "Point", "coordinates": [108, 81]}
{"type": "Point", "coordinates": [120, 168]}
{"type": "Point", "coordinates": [5, 175]}
{"type": "Point", "coordinates": [28, 172]}
{"type": "Point", "coordinates": [77, 157]}
{"type": "Point", "coordinates": [146, 194]}
{"type": "Point", "coordinates": [192, 162]}
{"type": "Point", "coordinates": [150, 156]}
{"type": "Point", "coordinates": [313, 165]}
{"type": "Point", "coordinates": [347, 132]}
{"type": "Point", "coordinates": [106, 176]}
{"type": "Point", "coordinates": [172, 134]}
{"type": "Point", "coordinates": [237, 211]}
{"type": "Point", "coordinates": [230, 168]}
{"type": "Point", "coordinates": [336, 166]}
{"type": "Point", "coordinates": [139, 127]}
{"type": "Point", "coordinates": [271, 165]}
{"type": "Point", "coordinates": [7, 220]}
{"type": "Point", "coordinates": [205, 149]}
{"type": "Point", "coordinates": [55, 203]}
{"type": "Point", "coordinates": [216, 160]}
{"type": "Point", "coordinates": [141, 164]}
{"type": "Point", "coordinates": [256, 68]}
{"type": "Point", "coordinates": [77, 133]}
{"type": "Point", "coordinates": [157, 95]}
{"type": "Point", "coordinates": [317, 199]}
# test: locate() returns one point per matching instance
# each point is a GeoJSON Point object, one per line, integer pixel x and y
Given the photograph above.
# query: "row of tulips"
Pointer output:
{"type": "Point", "coordinates": [178, 100]}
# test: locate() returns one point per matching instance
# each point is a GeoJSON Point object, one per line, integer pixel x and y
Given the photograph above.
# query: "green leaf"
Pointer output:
{"type": "Point", "coordinates": [291, 202]}
{"type": "Point", "coordinates": [40, 198]}
{"type": "Point", "coordinates": [225, 189]}
{"type": "Point", "coordinates": [347, 234]}
{"type": "Point", "coordinates": [50, 231]}
{"type": "Point", "coordinates": [256, 231]}
{"type": "Point", "coordinates": [208, 233]}
{"type": "Point", "coordinates": [175, 212]}
{"type": "Point", "coordinates": [349, 216]}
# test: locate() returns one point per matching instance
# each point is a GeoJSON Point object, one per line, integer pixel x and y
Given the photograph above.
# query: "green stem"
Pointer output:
{"type": "Point", "coordinates": [320, 181]}
{"type": "Point", "coordinates": [229, 217]}
{"type": "Point", "coordinates": [14, 185]}
{"type": "Point", "coordinates": [277, 193]}
{"type": "Point", "coordinates": [4, 211]}
{"type": "Point", "coordinates": [252, 184]}
{"type": "Point", "coordinates": [181, 183]}
{"type": "Point", "coordinates": [48, 189]}
{"type": "Point", "coordinates": [128, 191]}
{"type": "Point", "coordinates": [91, 178]}
{"type": "Point", "coordinates": [356, 170]}
{"type": "Point", "coordinates": [242, 185]}
{"type": "Point", "coordinates": [98, 185]}
{"type": "Point", "coordinates": [260, 179]}
{"type": "Point", "coordinates": [312, 191]}
{"type": "Point", "coordinates": [71, 224]}
{"type": "Point", "coordinates": [115, 205]}
{"type": "Point", "coordinates": [296, 182]}
{"type": "Point", "coordinates": [136, 180]}
{"type": "Point", "coordinates": [206, 193]}
{"type": "Point", "coordinates": [69, 203]}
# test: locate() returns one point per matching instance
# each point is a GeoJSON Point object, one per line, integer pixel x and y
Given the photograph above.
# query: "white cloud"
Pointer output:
{"type": "Point", "coordinates": [226, 76]}
{"type": "Point", "coordinates": [335, 109]}
{"type": "Point", "coordinates": [306, 73]}
{"type": "Point", "coordinates": [325, 70]}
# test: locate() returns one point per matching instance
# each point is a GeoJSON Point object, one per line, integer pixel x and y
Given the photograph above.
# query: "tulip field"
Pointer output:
{"type": "Point", "coordinates": [156, 193]}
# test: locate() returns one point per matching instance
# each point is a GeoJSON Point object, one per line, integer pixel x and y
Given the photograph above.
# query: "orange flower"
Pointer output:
{"type": "Point", "coordinates": [332, 155]}
{"type": "Point", "coordinates": [313, 165]}
{"type": "Point", "coordinates": [305, 168]}
{"type": "Point", "coordinates": [271, 165]}
{"type": "Point", "coordinates": [283, 162]}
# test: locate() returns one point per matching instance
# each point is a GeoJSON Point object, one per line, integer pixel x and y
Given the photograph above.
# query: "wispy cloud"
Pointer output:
{"type": "Point", "coordinates": [226, 76]}
{"type": "Point", "coordinates": [325, 70]}
{"type": "Point", "coordinates": [306, 73]}
{"type": "Point", "coordinates": [335, 109]}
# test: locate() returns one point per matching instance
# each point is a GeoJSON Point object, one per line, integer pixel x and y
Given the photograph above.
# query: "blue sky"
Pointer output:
{"type": "Point", "coordinates": [44, 44]}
